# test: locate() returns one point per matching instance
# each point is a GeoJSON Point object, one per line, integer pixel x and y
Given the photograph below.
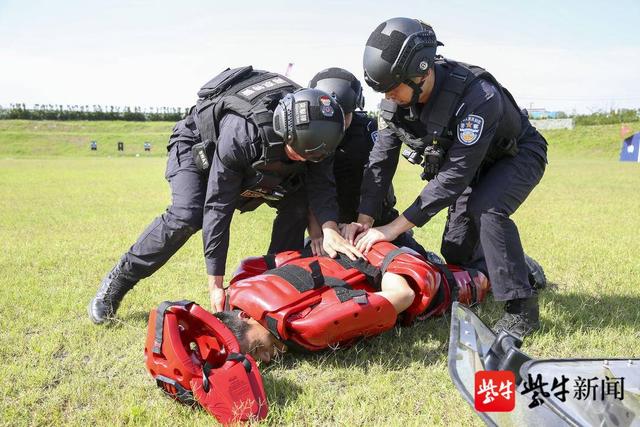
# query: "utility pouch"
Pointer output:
{"type": "Point", "coordinates": [201, 153]}
{"type": "Point", "coordinates": [509, 147]}
{"type": "Point", "coordinates": [503, 148]}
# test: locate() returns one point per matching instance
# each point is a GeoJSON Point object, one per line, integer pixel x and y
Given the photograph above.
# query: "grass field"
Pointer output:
{"type": "Point", "coordinates": [68, 214]}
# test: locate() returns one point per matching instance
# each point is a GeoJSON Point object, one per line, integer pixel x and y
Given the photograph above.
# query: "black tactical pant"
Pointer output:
{"type": "Point", "coordinates": [170, 231]}
{"type": "Point", "coordinates": [480, 233]}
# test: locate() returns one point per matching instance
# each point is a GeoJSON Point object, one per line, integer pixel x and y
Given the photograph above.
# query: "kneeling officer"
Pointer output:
{"type": "Point", "coordinates": [479, 153]}
{"type": "Point", "coordinates": [252, 137]}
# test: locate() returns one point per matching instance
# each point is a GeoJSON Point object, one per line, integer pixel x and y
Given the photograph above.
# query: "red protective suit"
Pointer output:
{"type": "Point", "coordinates": [317, 302]}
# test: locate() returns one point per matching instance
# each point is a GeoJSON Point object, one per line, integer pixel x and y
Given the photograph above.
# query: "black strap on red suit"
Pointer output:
{"type": "Point", "coordinates": [451, 284]}
{"type": "Point", "coordinates": [300, 278]}
{"type": "Point", "coordinates": [162, 308]}
{"type": "Point", "coordinates": [473, 273]}
{"type": "Point", "coordinates": [207, 367]}
{"type": "Point", "coordinates": [270, 260]}
{"type": "Point", "coordinates": [372, 273]}
{"type": "Point", "coordinates": [388, 259]}
{"type": "Point", "coordinates": [182, 394]}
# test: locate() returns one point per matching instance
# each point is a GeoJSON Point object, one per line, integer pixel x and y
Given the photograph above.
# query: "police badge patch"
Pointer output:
{"type": "Point", "coordinates": [470, 129]}
{"type": "Point", "coordinates": [325, 106]}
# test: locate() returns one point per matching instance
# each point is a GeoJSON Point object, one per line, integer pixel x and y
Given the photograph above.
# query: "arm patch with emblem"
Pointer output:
{"type": "Point", "coordinates": [470, 129]}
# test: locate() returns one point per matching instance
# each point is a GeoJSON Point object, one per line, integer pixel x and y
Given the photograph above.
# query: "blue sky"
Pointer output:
{"type": "Point", "coordinates": [569, 55]}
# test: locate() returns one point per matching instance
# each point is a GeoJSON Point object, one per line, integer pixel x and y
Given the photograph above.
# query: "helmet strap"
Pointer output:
{"type": "Point", "coordinates": [417, 90]}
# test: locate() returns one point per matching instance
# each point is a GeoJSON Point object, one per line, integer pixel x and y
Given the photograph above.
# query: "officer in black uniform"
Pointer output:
{"type": "Point", "coordinates": [352, 155]}
{"type": "Point", "coordinates": [253, 137]}
{"type": "Point", "coordinates": [479, 153]}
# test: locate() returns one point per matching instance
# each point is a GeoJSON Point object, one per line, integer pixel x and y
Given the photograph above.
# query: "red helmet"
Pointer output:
{"type": "Point", "coordinates": [194, 357]}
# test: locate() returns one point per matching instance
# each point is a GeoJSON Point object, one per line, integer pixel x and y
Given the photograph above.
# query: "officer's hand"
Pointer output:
{"type": "Point", "coordinates": [366, 240]}
{"type": "Point", "coordinates": [217, 293]}
{"type": "Point", "coordinates": [334, 243]}
{"type": "Point", "coordinates": [350, 231]}
{"type": "Point", "coordinates": [316, 246]}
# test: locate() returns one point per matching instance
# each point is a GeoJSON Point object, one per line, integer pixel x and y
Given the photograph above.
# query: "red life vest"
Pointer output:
{"type": "Point", "coordinates": [317, 302]}
{"type": "Point", "coordinates": [194, 358]}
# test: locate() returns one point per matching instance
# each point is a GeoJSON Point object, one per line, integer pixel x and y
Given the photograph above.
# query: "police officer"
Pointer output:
{"type": "Point", "coordinates": [352, 155]}
{"type": "Point", "coordinates": [252, 137]}
{"type": "Point", "coordinates": [479, 153]}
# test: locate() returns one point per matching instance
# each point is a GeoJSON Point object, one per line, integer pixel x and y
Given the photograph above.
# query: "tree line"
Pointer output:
{"type": "Point", "coordinates": [90, 112]}
{"type": "Point", "coordinates": [623, 115]}
{"type": "Point", "coordinates": [138, 114]}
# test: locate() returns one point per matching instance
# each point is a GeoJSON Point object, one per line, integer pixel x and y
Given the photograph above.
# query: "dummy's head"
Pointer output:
{"type": "Point", "coordinates": [254, 339]}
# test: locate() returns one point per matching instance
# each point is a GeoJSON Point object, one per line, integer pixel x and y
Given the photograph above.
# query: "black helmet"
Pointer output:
{"type": "Point", "coordinates": [397, 51]}
{"type": "Point", "coordinates": [311, 122]}
{"type": "Point", "coordinates": [342, 85]}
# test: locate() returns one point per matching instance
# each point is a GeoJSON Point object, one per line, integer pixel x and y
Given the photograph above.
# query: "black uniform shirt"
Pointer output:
{"type": "Point", "coordinates": [230, 166]}
{"type": "Point", "coordinates": [480, 105]}
{"type": "Point", "coordinates": [351, 159]}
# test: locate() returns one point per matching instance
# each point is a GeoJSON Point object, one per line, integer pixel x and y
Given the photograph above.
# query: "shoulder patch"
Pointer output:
{"type": "Point", "coordinates": [470, 129]}
{"type": "Point", "coordinates": [374, 136]}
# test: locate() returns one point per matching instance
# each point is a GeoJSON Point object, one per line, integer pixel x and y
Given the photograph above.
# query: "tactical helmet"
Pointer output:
{"type": "Point", "coordinates": [311, 122]}
{"type": "Point", "coordinates": [342, 85]}
{"type": "Point", "coordinates": [397, 51]}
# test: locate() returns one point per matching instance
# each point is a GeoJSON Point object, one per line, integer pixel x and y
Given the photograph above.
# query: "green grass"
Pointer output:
{"type": "Point", "coordinates": [22, 138]}
{"type": "Point", "coordinates": [67, 217]}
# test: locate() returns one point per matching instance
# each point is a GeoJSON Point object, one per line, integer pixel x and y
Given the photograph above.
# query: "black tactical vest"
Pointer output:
{"type": "Point", "coordinates": [253, 95]}
{"type": "Point", "coordinates": [435, 136]}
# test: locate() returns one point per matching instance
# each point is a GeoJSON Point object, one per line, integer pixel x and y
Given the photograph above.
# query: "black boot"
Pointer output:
{"type": "Point", "coordinates": [522, 317]}
{"type": "Point", "coordinates": [113, 288]}
{"type": "Point", "coordinates": [537, 278]}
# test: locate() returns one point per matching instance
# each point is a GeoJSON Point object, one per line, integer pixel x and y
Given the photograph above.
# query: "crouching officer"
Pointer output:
{"type": "Point", "coordinates": [478, 152]}
{"type": "Point", "coordinates": [352, 155]}
{"type": "Point", "coordinates": [252, 137]}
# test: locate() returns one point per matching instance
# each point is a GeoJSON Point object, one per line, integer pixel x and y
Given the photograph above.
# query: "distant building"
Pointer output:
{"type": "Point", "coordinates": [542, 113]}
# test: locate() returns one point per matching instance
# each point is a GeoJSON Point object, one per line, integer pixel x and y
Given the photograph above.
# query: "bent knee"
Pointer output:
{"type": "Point", "coordinates": [186, 217]}
{"type": "Point", "coordinates": [494, 215]}
{"type": "Point", "coordinates": [397, 291]}
{"type": "Point", "coordinates": [407, 298]}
